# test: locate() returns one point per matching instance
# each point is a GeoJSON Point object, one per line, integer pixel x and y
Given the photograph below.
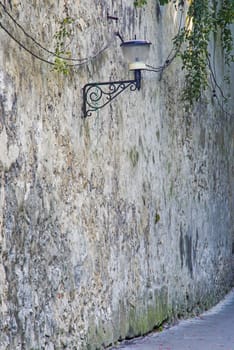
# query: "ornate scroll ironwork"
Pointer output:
{"type": "Point", "coordinates": [98, 95]}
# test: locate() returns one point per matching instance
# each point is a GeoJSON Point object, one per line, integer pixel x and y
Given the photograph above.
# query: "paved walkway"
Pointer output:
{"type": "Point", "coordinates": [213, 330]}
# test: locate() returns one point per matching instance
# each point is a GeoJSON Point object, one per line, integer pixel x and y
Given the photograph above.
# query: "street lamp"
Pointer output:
{"type": "Point", "coordinates": [136, 52]}
{"type": "Point", "coordinates": [98, 95]}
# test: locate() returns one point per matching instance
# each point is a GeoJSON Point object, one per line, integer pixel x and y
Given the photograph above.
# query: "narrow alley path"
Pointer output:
{"type": "Point", "coordinates": [213, 330]}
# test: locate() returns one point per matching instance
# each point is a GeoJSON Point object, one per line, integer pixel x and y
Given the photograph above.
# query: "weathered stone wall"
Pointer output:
{"type": "Point", "coordinates": [108, 225]}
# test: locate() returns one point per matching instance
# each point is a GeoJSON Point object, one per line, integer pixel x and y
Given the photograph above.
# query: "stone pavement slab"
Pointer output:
{"type": "Point", "coordinates": [213, 330]}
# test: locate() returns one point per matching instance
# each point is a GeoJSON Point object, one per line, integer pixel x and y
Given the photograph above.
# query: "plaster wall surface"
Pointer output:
{"type": "Point", "coordinates": [109, 225]}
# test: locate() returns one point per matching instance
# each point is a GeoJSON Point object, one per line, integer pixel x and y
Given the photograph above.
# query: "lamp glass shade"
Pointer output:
{"type": "Point", "coordinates": [136, 53]}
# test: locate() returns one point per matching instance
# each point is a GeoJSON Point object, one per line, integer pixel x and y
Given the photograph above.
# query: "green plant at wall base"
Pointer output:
{"type": "Point", "coordinates": [140, 3]}
{"type": "Point", "coordinates": [63, 33]}
{"type": "Point", "coordinates": [205, 19]}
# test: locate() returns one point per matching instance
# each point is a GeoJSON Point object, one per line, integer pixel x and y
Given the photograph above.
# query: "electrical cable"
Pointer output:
{"type": "Point", "coordinates": [214, 79]}
{"type": "Point", "coordinates": [81, 60]}
{"type": "Point", "coordinates": [216, 85]}
{"type": "Point", "coordinates": [25, 33]}
{"type": "Point", "coordinates": [24, 47]}
{"type": "Point", "coordinates": [169, 59]}
{"type": "Point", "coordinates": [49, 62]}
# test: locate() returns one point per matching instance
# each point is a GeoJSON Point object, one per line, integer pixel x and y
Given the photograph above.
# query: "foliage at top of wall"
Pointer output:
{"type": "Point", "coordinates": [205, 20]}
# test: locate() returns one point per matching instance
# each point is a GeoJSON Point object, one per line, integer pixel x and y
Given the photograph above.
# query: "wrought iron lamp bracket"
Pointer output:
{"type": "Point", "coordinates": [98, 95]}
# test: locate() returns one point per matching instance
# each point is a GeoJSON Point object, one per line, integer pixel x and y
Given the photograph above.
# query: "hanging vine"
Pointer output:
{"type": "Point", "coordinates": [61, 52]}
{"type": "Point", "coordinates": [204, 20]}
{"type": "Point", "coordinates": [193, 41]}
